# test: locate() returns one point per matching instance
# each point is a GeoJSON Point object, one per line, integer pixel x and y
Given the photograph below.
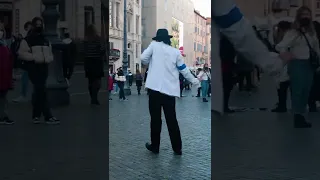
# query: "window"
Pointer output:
{"type": "Point", "coordinates": [129, 19]}
{"type": "Point", "coordinates": [88, 16]}
{"type": "Point", "coordinates": [137, 24]}
{"type": "Point", "coordinates": [195, 29]}
{"type": "Point", "coordinates": [137, 51]}
{"type": "Point", "coordinates": [117, 14]}
{"type": "Point", "coordinates": [62, 10]}
{"type": "Point", "coordinates": [111, 19]}
{"type": "Point", "coordinates": [111, 45]}
{"type": "Point", "coordinates": [194, 46]}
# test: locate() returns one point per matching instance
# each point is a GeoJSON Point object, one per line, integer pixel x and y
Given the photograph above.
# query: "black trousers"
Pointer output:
{"type": "Point", "coordinates": [121, 90]}
{"type": "Point", "coordinates": [94, 85]}
{"type": "Point", "coordinates": [227, 81]}
{"type": "Point", "coordinates": [168, 103]}
{"type": "Point", "coordinates": [139, 89]}
{"type": "Point", "coordinates": [282, 94]}
{"type": "Point", "coordinates": [67, 69]}
{"type": "Point", "coordinates": [38, 74]}
{"type": "Point", "coordinates": [245, 75]}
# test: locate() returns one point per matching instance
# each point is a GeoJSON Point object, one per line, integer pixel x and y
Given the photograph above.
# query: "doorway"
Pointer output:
{"type": "Point", "coordinates": [6, 20]}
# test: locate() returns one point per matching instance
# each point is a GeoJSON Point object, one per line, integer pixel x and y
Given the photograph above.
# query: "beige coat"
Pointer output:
{"type": "Point", "coordinates": [37, 54]}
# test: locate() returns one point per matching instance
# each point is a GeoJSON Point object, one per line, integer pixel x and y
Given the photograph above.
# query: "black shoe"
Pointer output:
{"type": "Point", "coordinates": [110, 99]}
{"type": "Point", "coordinates": [150, 148]}
{"type": "Point", "coordinates": [228, 110]}
{"type": "Point", "coordinates": [6, 121]}
{"type": "Point", "coordinates": [52, 121]}
{"type": "Point", "coordinates": [178, 153]}
{"type": "Point", "coordinates": [279, 110]}
{"type": "Point", "coordinates": [197, 95]}
{"type": "Point", "coordinates": [204, 100]}
{"type": "Point", "coordinates": [300, 122]}
{"type": "Point", "coordinates": [95, 102]}
{"type": "Point", "coordinates": [36, 120]}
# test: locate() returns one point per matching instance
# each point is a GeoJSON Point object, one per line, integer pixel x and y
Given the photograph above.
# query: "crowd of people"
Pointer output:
{"type": "Point", "coordinates": [301, 74]}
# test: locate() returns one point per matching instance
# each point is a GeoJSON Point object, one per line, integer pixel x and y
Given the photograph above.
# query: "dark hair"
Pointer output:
{"type": "Point", "coordinates": [35, 19]}
{"type": "Point", "coordinates": [166, 41]}
{"type": "Point", "coordinates": [284, 25]}
{"type": "Point", "coordinates": [296, 23]}
{"type": "Point", "coordinates": [29, 23]}
{"type": "Point", "coordinates": [91, 32]}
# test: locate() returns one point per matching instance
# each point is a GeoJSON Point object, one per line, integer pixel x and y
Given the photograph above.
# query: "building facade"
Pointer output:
{"type": "Point", "coordinates": [74, 15]}
{"type": "Point", "coordinates": [208, 42]}
{"type": "Point", "coordinates": [174, 15]}
{"type": "Point", "coordinates": [116, 20]}
{"type": "Point", "coordinates": [200, 41]}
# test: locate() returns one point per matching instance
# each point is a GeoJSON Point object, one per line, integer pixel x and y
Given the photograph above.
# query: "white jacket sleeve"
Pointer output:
{"type": "Point", "coordinates": [146, 55]}
{"type": "Point", "coordinates": [239, 31]}
{"type": "Point", "coordinates": [286, 42]}
{"type": "Point", "coordinates": [184, 70]}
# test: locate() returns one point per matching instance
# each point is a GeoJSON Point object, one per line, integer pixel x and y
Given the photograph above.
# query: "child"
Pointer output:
{"type": "Point", "coordinates": [110, 85]}
{"type": "Point", "coordinates": [6, 70]}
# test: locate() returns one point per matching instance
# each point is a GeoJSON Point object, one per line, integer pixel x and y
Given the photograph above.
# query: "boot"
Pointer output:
{"type": "Point", "coordinates": [300, 122]}
{"type": "Point", "coordinates": [204, 100]}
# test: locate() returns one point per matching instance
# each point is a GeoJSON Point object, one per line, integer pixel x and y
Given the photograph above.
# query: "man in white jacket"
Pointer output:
{"type": "Point", "coordinates": [164, 65]}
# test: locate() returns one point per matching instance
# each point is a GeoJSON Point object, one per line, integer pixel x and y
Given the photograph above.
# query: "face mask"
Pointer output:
{"type": "Point", "coordinates": [305, 22]}
{"type": "Point", "coordinates": [38, 29]}
{"type": "Point", "coordinates": [1, 34]}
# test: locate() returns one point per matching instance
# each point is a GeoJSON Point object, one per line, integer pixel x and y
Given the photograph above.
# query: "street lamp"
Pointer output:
{"type": "Point", "coordinates": [127, 89]}
{"type": "Point", "coordinates": [56, 85]}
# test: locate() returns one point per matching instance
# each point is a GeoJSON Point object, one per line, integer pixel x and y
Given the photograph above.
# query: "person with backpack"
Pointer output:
{"type": "Point", "coordinates": [6, 68]}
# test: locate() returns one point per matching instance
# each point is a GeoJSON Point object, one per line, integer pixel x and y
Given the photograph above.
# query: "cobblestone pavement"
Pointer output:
{"type": "Point", "coordinates": [263, 145]}
{"type": "Point", "coordinates": [130, 130]}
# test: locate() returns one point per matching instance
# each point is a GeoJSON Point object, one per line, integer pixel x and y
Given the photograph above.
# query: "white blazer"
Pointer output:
{"type": "Point", "coordinates": [165, 63]}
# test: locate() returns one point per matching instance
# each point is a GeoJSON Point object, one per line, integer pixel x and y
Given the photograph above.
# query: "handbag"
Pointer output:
{"type": "Point", "coordinates": [313, 56]}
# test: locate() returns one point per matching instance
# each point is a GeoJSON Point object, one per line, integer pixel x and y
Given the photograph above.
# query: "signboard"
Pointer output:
{"type": "Point", "coordinates": [216, 73]}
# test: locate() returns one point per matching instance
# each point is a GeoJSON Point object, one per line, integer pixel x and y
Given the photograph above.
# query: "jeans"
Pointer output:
{"type": "Point", "coordinates": [24, 83]}
{"type": "Point", "coordinates": [301, 78]}
{"type": "Point", "coordinates": [121, 92]}
{"type": "Point", "coordinates": [204, 88]}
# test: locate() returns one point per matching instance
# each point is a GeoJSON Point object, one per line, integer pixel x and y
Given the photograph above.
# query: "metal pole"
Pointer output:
{"type": "Point", "coordinates": [127, 90]}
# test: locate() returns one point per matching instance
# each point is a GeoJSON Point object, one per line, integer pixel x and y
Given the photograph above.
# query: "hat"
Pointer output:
{"type": "Point", "coordinates": [162, 34]}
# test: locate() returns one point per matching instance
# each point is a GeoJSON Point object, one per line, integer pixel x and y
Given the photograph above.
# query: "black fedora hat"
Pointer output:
{"type": "Point", "coordinates": [162, 34]}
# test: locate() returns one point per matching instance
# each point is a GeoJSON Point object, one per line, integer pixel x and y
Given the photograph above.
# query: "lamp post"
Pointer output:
{"type": "Point", "coordinates": [127, 89]}
{"type": "Point", "coordinates": [56, 85]}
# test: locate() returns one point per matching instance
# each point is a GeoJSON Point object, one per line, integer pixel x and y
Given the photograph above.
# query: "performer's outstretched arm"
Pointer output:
{"type": "Point", "coordinates": [239, 31]}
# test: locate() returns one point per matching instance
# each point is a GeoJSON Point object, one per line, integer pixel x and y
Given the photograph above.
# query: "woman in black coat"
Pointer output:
{"type": "Point", "coordinates": [94, 51]}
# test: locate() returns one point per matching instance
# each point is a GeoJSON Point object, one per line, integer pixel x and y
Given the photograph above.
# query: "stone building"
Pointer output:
{"type": "Point", "coordinates": [116, 13]}
{"type": "Point", "coordinates": [200, 45]}
{"type": "Point", "coordinates": [208, 41]}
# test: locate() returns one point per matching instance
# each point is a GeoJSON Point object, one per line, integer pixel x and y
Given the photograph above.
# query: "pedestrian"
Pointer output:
{"type": "Point", "coordinates": [110, 85]}
{"type": "Point", "coordinates": [68, 56]}
{"type": "Point", "coordinates": [93, 50]}
{"type": "Point", "coordinates": [121, 79]}
{"type": "Point", "coordinates": [283, 80]}
{"type": "Point", "coordinates": [181, 83]}
{"type": "Point", "coordinates": [199, 85]}
{"type": "Point", "coordinates": [24, 74]}
{"type": "Point", "coordinates": [115, 81]}
{"type": "Point", "coordinates": [14, 50]}
{"type": "Point", "coordinates": [6, 69]}
{"type": "Point", "coordinates": [209, 84]}
{"type": "Point", "coordinates": [139, 80]}
{"type": "Point", "coordinates": [130, 78]}
{"type": "Point", "coordinates": [227, 56]}
{"type": "Point", "coordinates": [204, 76]}
{"type": "Point", "coordinates": [36, 52]}
{"type": "Point", "coordinates": [304, 45]}
{"type": "Point", "coordinates": [163, 89]}
{"type": "Point", "coordinates": [245, 70]}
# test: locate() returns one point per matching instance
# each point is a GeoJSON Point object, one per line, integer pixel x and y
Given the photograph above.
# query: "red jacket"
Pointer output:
{"type": "Point", "coordinates": [110, 83]}
{"type": "Point", "coordinates": [6, 66]}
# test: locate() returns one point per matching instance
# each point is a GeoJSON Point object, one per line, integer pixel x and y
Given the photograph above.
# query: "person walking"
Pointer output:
{"type": "Point", "coordinates": [93, 50]}
{"type": "Point", "coordinates": [139, 80]}
{"type": "Point", "coordinates": [6, 70]}
{"type": "Point", "coordinates": [121, 79]}
{"type": "Point", "coordinates": [68, 56]}
{"type": "Point", "coordinates": [24, 74]}
{"type": "Point", "coordinates": [303, 43]}
{"type": "Point", "coordinates": [204, 76]}
{"type": "Point", "coordinates": [36, 52]}
{"type": "Point", "coordinates": [227, 56]}
{"type": "Point", "coordinates": [110, 85]}
{"type": "Point", "coordinates": [164, 65]}
{"type": "Point", "coordinates": [199, 85]}
{"type": "Point", "coordinates": [130, 78]}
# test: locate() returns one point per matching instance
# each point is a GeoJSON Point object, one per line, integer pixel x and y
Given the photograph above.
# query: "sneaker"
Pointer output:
{"type": "Point", "coordinates": [36, 120]}
{"type": "Point", "coordinates": [19, 99]}
{"type": "Point", "coordinates": [6, 121]}
{"type": "Point", "coordinates": [52, 121]}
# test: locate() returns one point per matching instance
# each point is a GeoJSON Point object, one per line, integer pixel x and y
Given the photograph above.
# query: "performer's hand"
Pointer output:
{"type": "Point", "coordinates": [286, 57]}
